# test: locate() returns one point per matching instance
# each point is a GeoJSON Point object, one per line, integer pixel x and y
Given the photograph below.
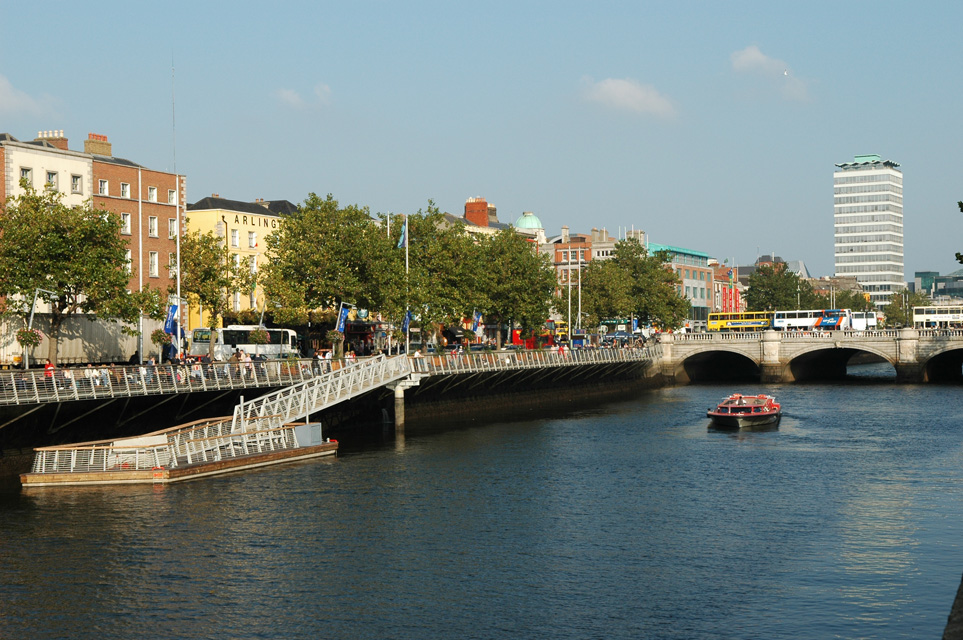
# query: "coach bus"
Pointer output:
{"type": "Point", "coordinates": [938, 317]}
{"type": "Point", "coordinates": [740, 321]}
{"type": "Point", "coordinates": [865, 320]}
{"type": "Point", "coordinates": [813, 320]}
{"type": "Point", "coordinates": [237, 337]}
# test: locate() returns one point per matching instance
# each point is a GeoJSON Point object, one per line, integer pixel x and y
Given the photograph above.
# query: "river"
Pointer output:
{"type": "Point", "coordinates": [626, 520]}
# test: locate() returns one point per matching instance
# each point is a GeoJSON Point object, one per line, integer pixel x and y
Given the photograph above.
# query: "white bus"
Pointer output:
{"type": "Point", "coordinates": [938, 317]}
{"type": "Point", "coordinates": [236, 337]}
{"type": "Point", "coordinates": [813, 320]}
{"type": "Point", "coordinates": [865, 320]}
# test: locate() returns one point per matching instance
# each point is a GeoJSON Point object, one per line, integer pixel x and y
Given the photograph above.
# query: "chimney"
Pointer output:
{"type": "Point", "coordinates": [565, 236]}
{"type": "Point", "coordinates": [97, 145]}
{"type": "Point", "coordinates": [55, 138]}
{"type": "Point", "coordinates": [476, 211]}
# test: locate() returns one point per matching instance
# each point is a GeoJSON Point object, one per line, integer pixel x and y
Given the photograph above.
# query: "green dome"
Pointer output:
{"type": "Point", "coordinates": [528, 221]}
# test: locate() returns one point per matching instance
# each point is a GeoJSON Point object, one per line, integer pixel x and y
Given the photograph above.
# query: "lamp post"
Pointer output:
{"type": "Point", "coordinates": [568, 276]}
{"type": "Point", "coordinates": [33, 306]}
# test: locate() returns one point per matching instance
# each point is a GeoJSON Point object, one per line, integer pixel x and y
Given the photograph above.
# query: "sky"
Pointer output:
{"type": "Point", "coordinates": [711, 126]}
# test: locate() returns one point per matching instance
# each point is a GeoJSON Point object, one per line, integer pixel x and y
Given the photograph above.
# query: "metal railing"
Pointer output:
{"type": "Point", "coordinates": [83, 383]}
{"type": "Point", "coordinates": [352, 379]}
{"type": "Point", "coordinates": [440, 364]}
{"type": "Point", "coordinates": [197, 442]}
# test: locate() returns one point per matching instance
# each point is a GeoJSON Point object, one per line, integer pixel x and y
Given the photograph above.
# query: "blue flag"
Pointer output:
{"type": "Point", "coordinates": [403, 240]}
{"type": "Point", "coordinates": [342, 318]}
{"type": "Point", "coordinates": [170, 322]}
{"type": "Point", "coordinates": [475, 321]}
{"type": "Point", "coordinates": [406, 323]}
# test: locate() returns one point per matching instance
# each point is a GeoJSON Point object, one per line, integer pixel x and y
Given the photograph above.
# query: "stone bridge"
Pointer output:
{"type": "Point", "coordinates": [788, 356]}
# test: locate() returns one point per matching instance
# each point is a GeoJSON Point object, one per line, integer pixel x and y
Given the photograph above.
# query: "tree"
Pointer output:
{"type": "Point", "coordinates": [634, 283]}
{"type": "Point", "coordinates": [209, 276]}
{"type": "Point", "coordinates": [899, 311]}
{"type": "Point", "coordinates": [76, 252]}
{"type": "Point", "coordinates": [772, 287]}
{"type": "Point", "coordinates": [517, 282]}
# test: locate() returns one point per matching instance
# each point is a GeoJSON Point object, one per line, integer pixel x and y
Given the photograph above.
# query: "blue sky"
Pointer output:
{"type": "Point", "coordinates": [712, 126]}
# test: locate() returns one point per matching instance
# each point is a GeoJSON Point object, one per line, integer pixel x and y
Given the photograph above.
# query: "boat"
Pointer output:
{"type": "Point", "coordinates": [737, 411]}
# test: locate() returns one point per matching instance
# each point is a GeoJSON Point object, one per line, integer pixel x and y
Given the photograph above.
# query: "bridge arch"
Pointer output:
{"type": "Point", "coordinates": [828, 361]}
{"type": "Point", "coordinates": [715, 363]}
{"type": "Point", "coordinates": [944, 365]}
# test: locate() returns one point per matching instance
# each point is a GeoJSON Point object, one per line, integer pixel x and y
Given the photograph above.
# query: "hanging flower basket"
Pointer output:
{"type": "Point", "coordinates": [259, 336]}
{"type": "Point", "coordinates": [334, 336]}
{"type": "Point", "coordinates": [158, 337]}
{"type": "Point", "coordinates": [29, 337]}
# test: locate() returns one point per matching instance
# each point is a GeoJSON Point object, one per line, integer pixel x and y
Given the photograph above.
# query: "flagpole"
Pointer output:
{"type": "Point", "coordinates": [407, 308]}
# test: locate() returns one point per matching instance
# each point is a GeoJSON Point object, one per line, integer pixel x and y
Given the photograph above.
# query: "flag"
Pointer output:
{"type": "Point", "coordinates": [475, 321]}
{"type": "Point", "coordinates": [170, 321]}
{"type": "Point", "coordinates": [406, 323]}
{"type": "Point", "coordinates": [403, 240]}
{"type": "Point", "coordinates": [342, 318]}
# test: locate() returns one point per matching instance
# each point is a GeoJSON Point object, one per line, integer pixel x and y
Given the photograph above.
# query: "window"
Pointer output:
{"type": "Point", "coordinates": [172, 260]}
{"type": "Point", "coordinates": [236, 302]}
{"type": "Point", "coordinates": [152, 226]}
{"type": "Point", "coordinates": [76, 184]}
{"type": "Point", "coordinates": [171, 196]}
{"type": "Point", "coordinates": [125, 223]}
{"type": "Point", "coordinates": [51, 180]}
{"type": "Point", "coordinates": [235, 238]}
{"type": "Point", "coordinates": [124, 190]}
{"type": "Point", "coordinates": [253, 262]}
{"type": "Point", "coordinates": [237, 261]}
{"type": "Point", "coordinates": [172, 227]}
{"type": "Point", "coordinates": [152, 264]}
{"type": "Point", "coordinates": [129, 259]}
{"type": "Point", "coordinates": [26, 173]}
{"type": "Point", "coordinates": [152, 194]}
{"type": "Point", "coordinates": [102, 187]}
{"type": "Point", "coordinates": [252, 239]}
{"type": "Point", "coordinates": [252, 301]}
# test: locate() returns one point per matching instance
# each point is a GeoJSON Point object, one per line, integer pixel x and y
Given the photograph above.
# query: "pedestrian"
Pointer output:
{"type": "Point", "coordinates": [48, 373]}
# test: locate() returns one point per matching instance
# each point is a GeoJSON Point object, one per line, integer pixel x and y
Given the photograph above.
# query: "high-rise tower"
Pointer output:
{"type": "Point", "coordinates": [868, 224]}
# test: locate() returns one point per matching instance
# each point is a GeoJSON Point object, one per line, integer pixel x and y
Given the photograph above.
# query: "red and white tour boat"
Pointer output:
{"type": "Point", "coordinates": [738, 411]}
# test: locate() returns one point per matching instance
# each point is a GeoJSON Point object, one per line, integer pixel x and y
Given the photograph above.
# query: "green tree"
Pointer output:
{"type": "Point", "coordinates": [772, 287]}
{"type": "Point", "coordinates": [635, 284]}
{"type": "Point", "coordinates": [209, 276]}
{"type": "Point", "coordinates": [76, 252]}
{"type": "Point", "coordinates": [899, 311]}
{"type": "Point", "coordinates": [517, 283]}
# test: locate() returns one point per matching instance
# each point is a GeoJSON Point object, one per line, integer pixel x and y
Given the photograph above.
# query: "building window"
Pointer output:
{"type": "Point", "coordinates": [125, 223]}
{"type": "Point", "coordinates": [129, 259]}
{"type": "Point", "coordinates": [252, 300]}
{"type": "Point", "coordinates": [235, 238]}
{"type": "Point", "coordinates": [102, 187]}
{"type": "Point", "coordinates": [76, 184]}
{"type": "Point", "coordinates": [172, 227]}
{"type": "Point", "coordinates": [237, 261]}
{"type": "Point", "coordinates": [172, 260]}
{"type": "Point", "coordinates": [236, 303]}
{"type": "Point", "coordinates": [252, 239]}
{"type": "Point", "coordinates": [152, 194]}
{"type": "Point", "coordinates": [26, 173]}
{"type": "Point", "coordinates": [152, 226]}
{"type": "Point", "coordinates": [152, 264]}
{"type": "Point", "coordinates": [124, 190]}
{"type": "Point", "coordinates": [51, 180]}
{"type": "Point", "coordinates": [171, 196]}
{"type": "Point", "coordinates": [253, 262]}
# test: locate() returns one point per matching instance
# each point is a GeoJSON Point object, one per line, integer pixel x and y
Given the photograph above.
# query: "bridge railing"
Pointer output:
{"type": "Point", "coordinates": [749, 336]}
{"type": "Point", "coordinates": [82, 383]}
{"type": "Point", "coordinates": [437, 364]}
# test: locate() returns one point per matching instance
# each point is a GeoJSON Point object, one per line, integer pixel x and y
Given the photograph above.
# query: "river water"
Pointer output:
{"type": "Point", "coordinates": [628, 520]}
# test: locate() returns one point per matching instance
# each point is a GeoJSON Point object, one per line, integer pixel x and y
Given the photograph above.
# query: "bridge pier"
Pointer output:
{"type": "Point", "coordinates": [400, 408]}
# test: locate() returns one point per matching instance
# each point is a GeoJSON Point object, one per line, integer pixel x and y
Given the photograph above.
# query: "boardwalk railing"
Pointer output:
{"type": "Point", "coordinates": [84, 383]}
{"type": "Point", "coordinates": [440, 364]}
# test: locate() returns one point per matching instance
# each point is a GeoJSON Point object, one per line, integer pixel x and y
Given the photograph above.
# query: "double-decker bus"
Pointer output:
{"type": "Point", "coordinates": [813, 320]}
{"type": "Point", "coordinates": [938, 317]}
{"type": "Point", "coordinates": [236, 337]}
{"type": "Point", "coordinates": [740, 321]}
{"type": "Point", "coordinates": [865, 320]}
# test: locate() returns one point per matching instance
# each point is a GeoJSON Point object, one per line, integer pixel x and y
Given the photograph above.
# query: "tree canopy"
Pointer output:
{"type": "Point", "coordinates": [774, 287]}
{"type": "Point", "coordinates": [634, 283]}
{"type": "Point", "coordinates": [76, 252]}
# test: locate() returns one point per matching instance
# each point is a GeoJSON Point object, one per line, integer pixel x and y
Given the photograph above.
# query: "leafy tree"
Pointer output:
{"type": "Point", "coordinates": [209, 276]}
{"type": "Point", "coordinates": [772, 287]}
{"type": "Point", "coordinates": [634, 284]}
{"type": "Point", "coordinates": [76, 252]}
{"type": "Point", "coordinates": [518, 282]}
{"type": "Point", "coordinates": [899, 311]}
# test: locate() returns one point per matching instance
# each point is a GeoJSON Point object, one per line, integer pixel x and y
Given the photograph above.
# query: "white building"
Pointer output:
{"type": "Point", "coordinates": [868, 224]}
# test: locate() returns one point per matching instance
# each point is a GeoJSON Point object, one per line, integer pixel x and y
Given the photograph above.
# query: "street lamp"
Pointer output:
{"type": "Point", "coordinates": [33, 306]}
